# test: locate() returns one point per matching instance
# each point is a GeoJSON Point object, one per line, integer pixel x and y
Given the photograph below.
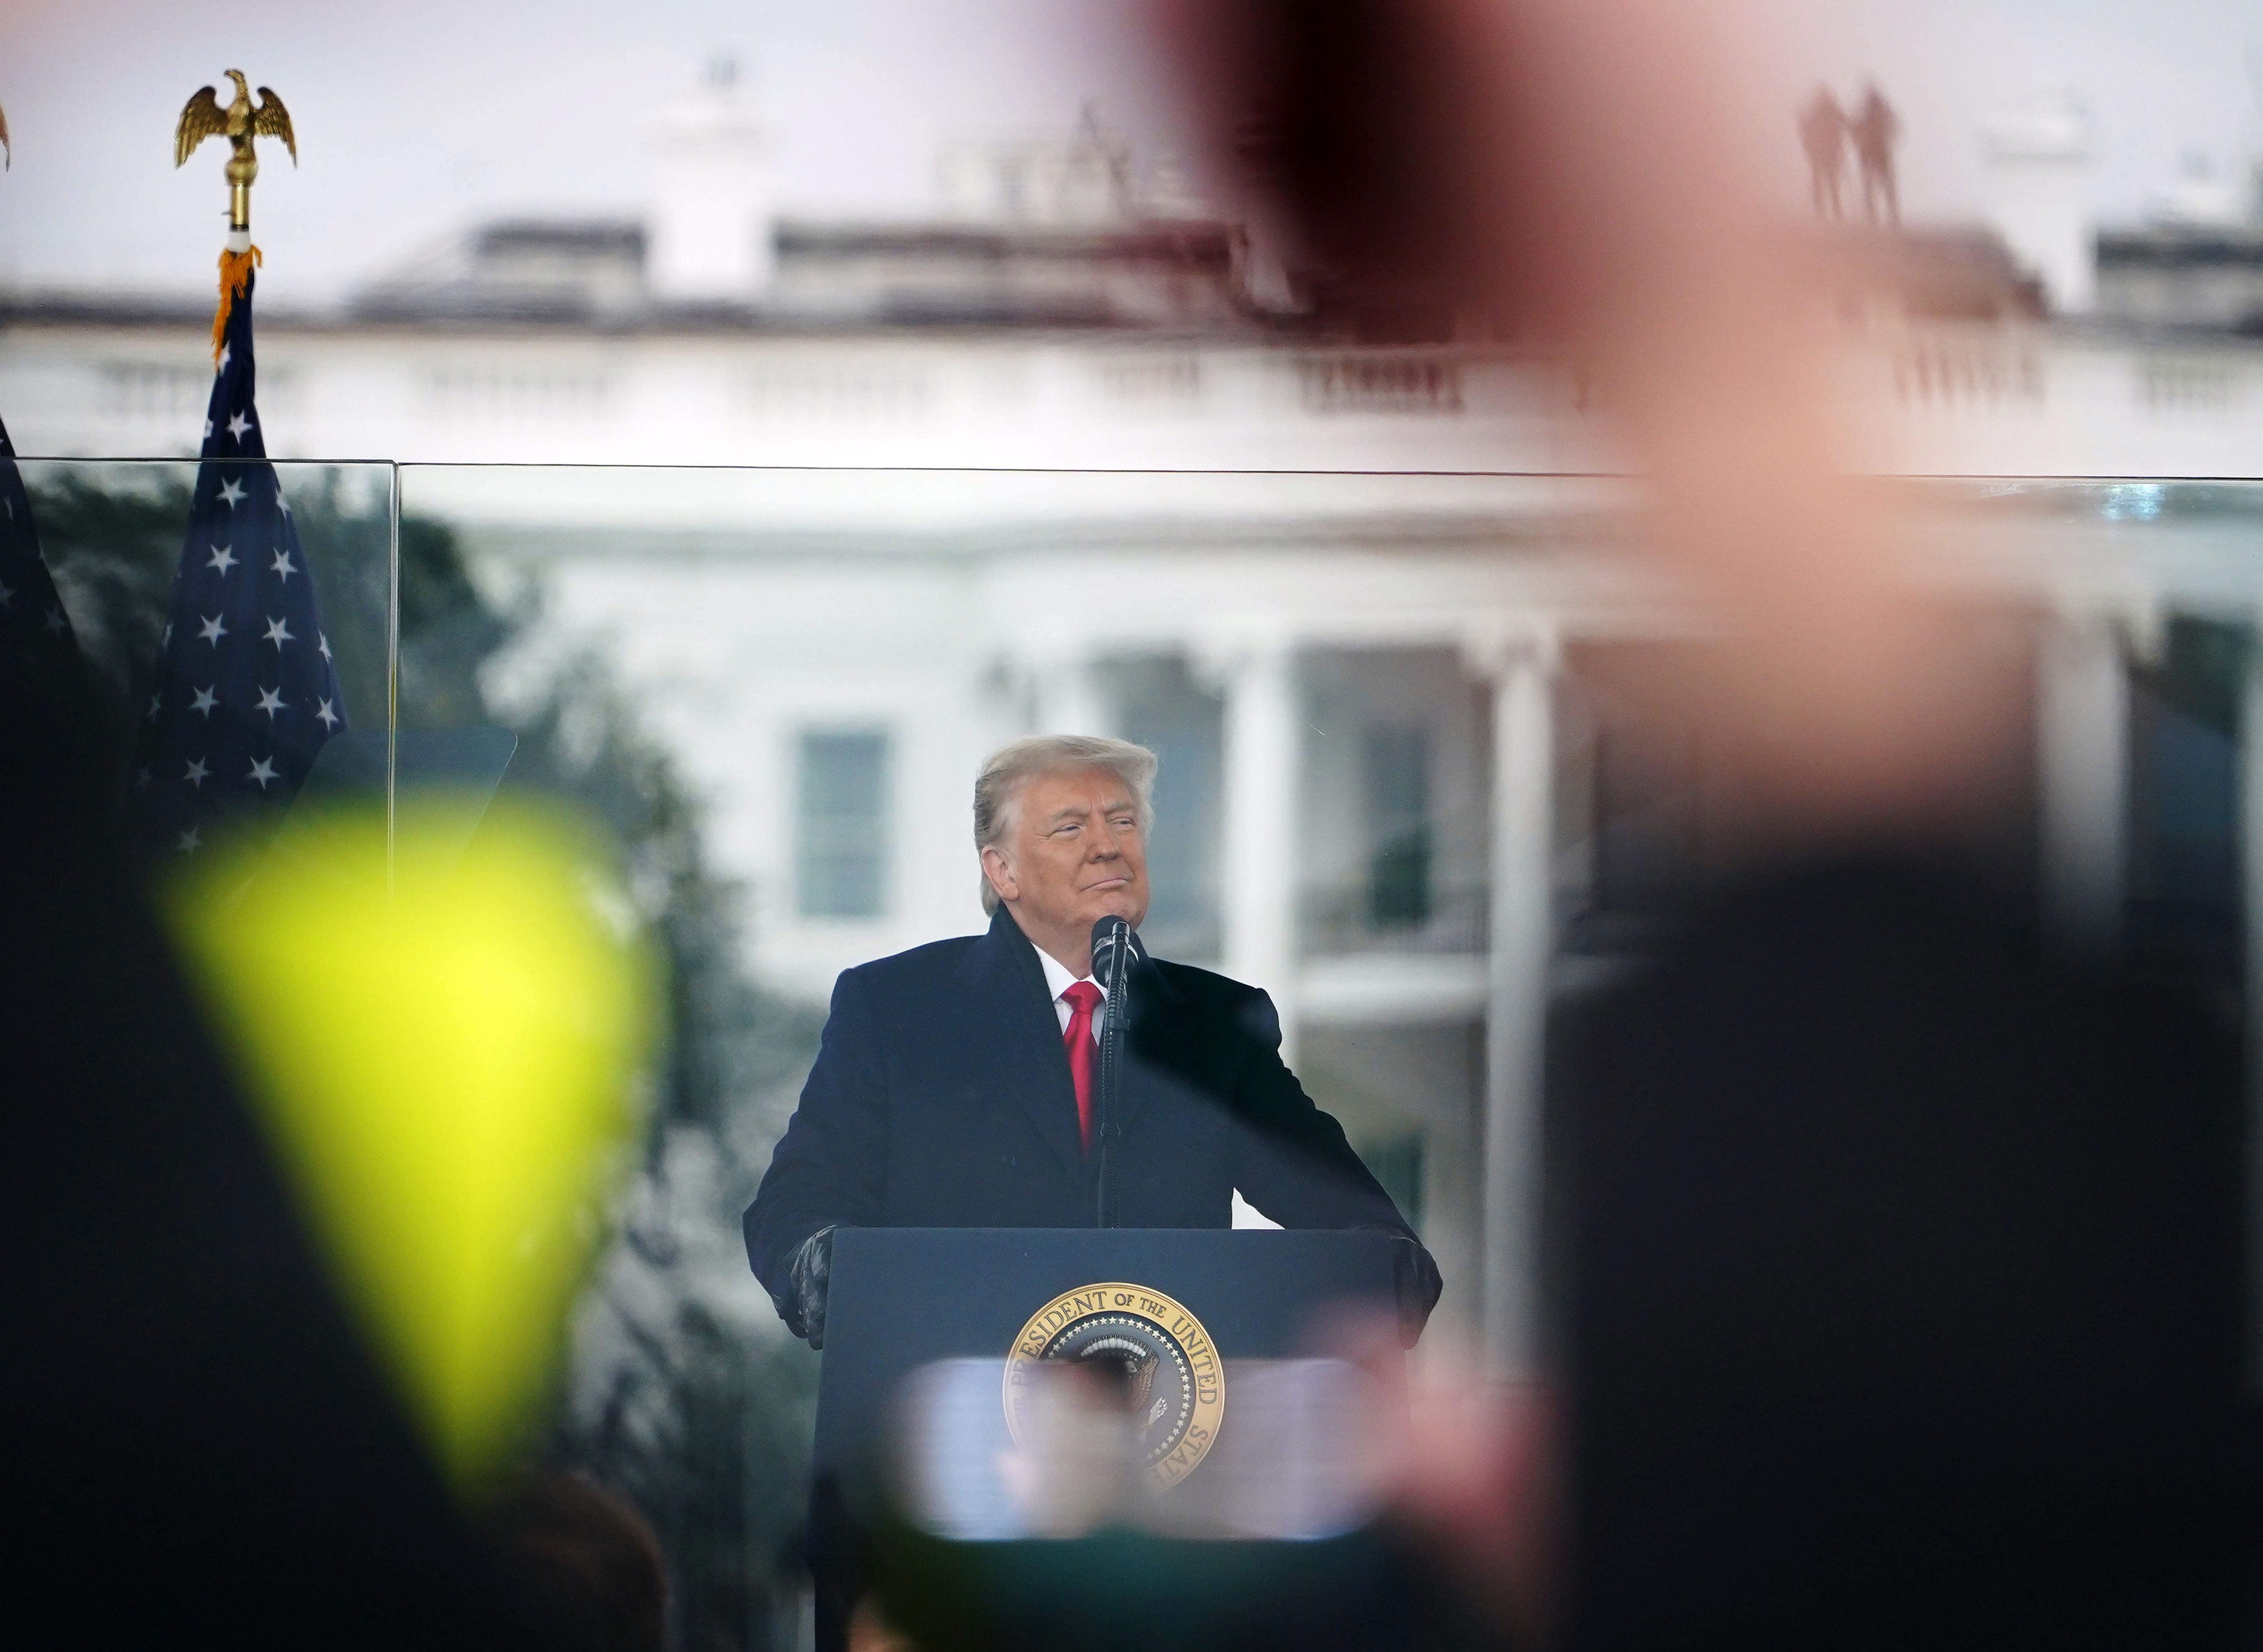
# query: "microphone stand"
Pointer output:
{"type": "Point", "coordinates": [1114, 935]}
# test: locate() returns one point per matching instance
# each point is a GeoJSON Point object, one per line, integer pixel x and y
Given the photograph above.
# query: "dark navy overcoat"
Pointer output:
{"type": "Point", "coordinates": [941, 1097]}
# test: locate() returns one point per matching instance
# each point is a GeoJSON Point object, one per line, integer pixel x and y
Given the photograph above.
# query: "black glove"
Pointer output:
{"type": "Point", "coordinates": [809, 1274]}
{"type": "Point", "coordinates": [1415, 1276]}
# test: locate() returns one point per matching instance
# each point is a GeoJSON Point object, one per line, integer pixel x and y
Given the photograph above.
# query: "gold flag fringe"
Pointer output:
{"type": "Point", "coordinates": [235, 275]}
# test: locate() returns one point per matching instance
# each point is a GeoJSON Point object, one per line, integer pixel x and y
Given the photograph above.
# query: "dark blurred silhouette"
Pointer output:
{"type": "Point", "coordinates": [581, 1564]}
{"type": "Point", "coordinates": [1823, 136]}
{"type": "Point", "coordinates": [1896, 1265]}
{"type": "Point", "coordinates": [1874, 128]}
{"type": "Point", "coordinates": [1903, 1286]}
{"type": "Point", "coordinates": [202, 1451]}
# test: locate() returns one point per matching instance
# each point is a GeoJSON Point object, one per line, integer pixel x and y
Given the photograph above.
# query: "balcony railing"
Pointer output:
{"type": "Point", "coordinates": [1342, 918]}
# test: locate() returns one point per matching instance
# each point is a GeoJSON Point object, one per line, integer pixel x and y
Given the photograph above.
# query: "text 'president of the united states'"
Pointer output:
{"type": "Point", "coordinates": [958, 1083]}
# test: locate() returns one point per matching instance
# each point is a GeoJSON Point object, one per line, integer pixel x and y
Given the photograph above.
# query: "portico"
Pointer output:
{"type": "Point", "coordinates": [1392, 792]}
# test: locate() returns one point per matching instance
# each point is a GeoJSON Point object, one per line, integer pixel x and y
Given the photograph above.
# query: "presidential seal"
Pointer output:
{"type": "Point", "coordinates": [1154, 1357]}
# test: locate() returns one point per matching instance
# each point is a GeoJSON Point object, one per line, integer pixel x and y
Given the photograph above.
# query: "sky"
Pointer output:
{"type": "Point", "coordinates": [417, 118]}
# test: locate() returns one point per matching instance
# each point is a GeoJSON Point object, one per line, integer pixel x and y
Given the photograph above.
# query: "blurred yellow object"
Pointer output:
{"type": "Point", "coordinates": [446, 1069]}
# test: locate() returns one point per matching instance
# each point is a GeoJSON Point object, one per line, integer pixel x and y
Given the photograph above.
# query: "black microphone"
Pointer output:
{"type": "Point", "coordinates": [1110, 937]}
{"type": "Point", "coordinates": [1114, 946]}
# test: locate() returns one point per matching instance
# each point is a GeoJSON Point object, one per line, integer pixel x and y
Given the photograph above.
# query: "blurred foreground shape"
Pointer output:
{"type": "Point", "coordinates": [203, 1449]}
{"type": "Point", "coordinates": [443, 1038]}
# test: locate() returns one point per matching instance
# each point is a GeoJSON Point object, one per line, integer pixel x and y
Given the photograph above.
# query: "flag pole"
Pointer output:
{"type": "Point", "coordinates": [240, 121]}
{"type": "Point", "coordinates": [245, 693]}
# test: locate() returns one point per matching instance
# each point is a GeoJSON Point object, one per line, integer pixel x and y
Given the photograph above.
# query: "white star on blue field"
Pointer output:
{"type": "Point", "coordinates": [244, 691]}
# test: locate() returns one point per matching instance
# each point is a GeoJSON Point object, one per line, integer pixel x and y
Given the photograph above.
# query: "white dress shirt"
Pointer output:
{"type": "Point", "coordinates": [1058, 981]}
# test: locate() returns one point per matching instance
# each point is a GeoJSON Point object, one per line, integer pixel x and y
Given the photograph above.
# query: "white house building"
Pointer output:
{"type": "Point", "coordinates": [849, 504]}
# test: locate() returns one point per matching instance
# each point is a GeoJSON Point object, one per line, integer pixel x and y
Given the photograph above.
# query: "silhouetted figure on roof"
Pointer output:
{"type": "Point", "coordinates": [1874, 128]}
{"type": "Point", "coordinates": [1822, 135]}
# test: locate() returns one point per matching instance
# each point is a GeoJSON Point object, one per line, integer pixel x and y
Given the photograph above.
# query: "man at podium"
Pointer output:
{"type": "Point", "coordinates": [958, 1085]}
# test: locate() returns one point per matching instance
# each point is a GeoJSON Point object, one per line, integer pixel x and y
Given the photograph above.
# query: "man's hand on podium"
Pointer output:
{"type": "Point", "coordinates": [1416, 1277]}
{"type": "Point", "coordinates": [1415, 1280]}
{"type": "Point", "coordinates": [807, 1278]}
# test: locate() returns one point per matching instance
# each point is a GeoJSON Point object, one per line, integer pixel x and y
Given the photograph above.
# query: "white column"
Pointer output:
{"type": "Point", "coordinates": [1516, 998]}
{"type": "Point", "coordinates": [1258, 864]}
{"type": "Point", "coordinates": [2082, 732]}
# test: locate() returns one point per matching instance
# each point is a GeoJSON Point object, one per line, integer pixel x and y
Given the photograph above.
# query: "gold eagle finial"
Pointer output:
{"type": "Point", "coordinates": [240, 122]}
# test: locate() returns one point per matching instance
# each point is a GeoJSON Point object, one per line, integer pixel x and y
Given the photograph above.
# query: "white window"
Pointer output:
{"type": "Point", "coordinates": [841, 848]}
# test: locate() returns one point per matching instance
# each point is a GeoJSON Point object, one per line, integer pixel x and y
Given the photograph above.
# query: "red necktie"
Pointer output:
{"type": "Point", "coordinates": [1083, 998]}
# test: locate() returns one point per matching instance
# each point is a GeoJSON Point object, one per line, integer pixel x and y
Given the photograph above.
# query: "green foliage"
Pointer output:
{"type": "Point", "coordinates": [686, 1396]}
{"type": "Point", "coordinates": [113, 538]}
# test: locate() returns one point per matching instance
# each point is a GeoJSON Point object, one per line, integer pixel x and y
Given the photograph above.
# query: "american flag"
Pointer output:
{"type": "Point", "coordinates": [245, 690]}
{"type": "Point", "coordinates": [35, 632]}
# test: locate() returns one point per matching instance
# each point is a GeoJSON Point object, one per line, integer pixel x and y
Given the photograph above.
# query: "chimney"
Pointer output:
{"type": "Point", "coordinates": [711, 217]}
{"type": "Point", "coordinates": [2038, 188]}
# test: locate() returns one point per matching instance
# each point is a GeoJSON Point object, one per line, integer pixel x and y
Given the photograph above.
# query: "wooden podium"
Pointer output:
{"type": "Point", "coordinates": [946, 1338]}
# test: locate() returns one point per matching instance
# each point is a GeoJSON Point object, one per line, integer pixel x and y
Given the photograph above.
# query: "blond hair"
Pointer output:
{"type": "Point", "coordinates": [998, 788]}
